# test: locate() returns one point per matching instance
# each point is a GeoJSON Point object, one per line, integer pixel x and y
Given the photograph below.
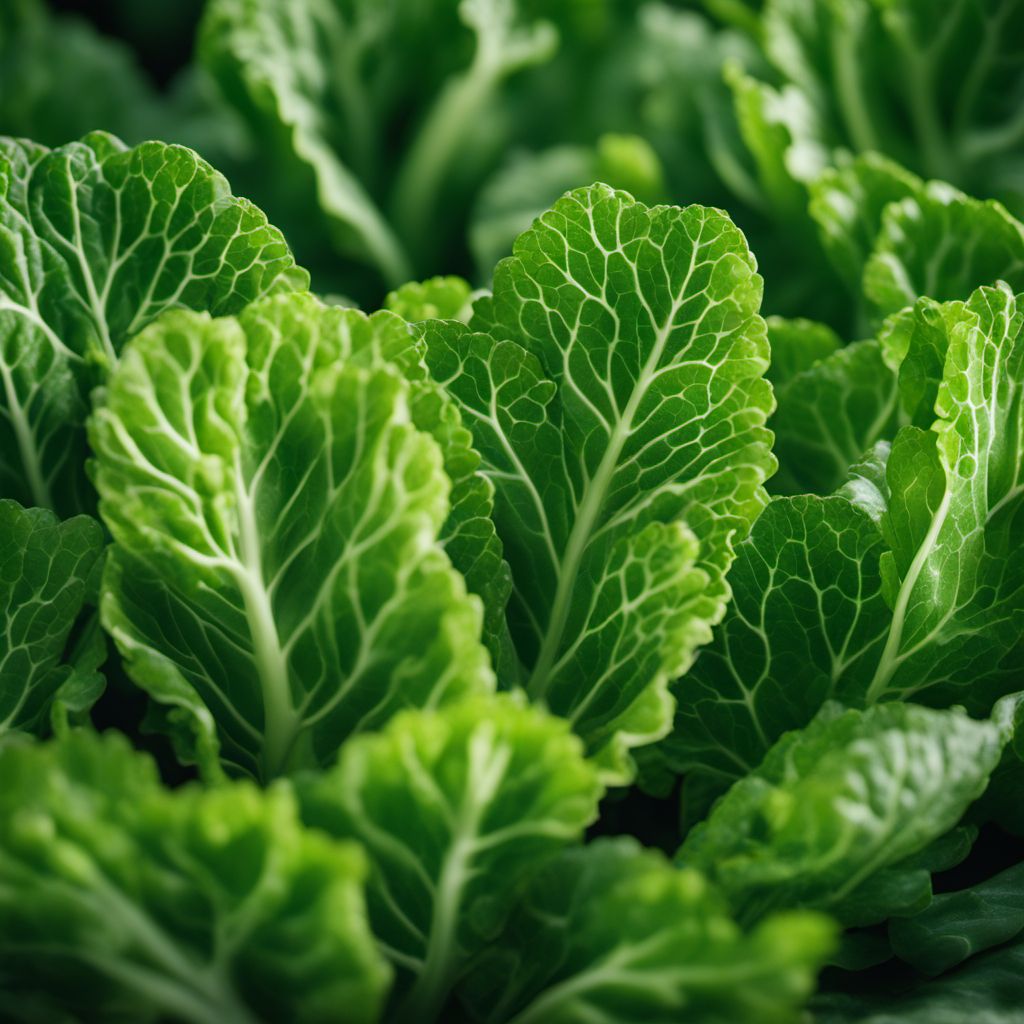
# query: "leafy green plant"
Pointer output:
{"type": "Point", "coordinates": [566, 641]}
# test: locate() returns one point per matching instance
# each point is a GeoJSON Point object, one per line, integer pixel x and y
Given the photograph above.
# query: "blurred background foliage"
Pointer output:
{"type": "Point", "coordinates": [398, 139]}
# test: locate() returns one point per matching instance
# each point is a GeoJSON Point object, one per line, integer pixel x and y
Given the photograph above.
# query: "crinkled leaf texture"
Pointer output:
{"type": "Point", "coordinates": [908, 584]}
{"type": "Point", "coordinates": [614, 387]}
{"type": "Point", "coordinates": [456, 808]}
{"type": "Point", "coordinates": [276, 573]}
{"type": "Point", "coordinates": [122, 900]}
{"type": "Point", "coordinates": [829, 415]}
{"type": "Point", "coordinates": [49, 578]}
{"type": "Point", "coordinates": [95, 241]}
{"type": "Point", "coordinates": [833, 817]}
{"type": "Point", "coordinates": [897, 238]}
{"type": "Point", "coordinates": [615, 933]}
{"type": "Point", "coordinates": [438, 298]}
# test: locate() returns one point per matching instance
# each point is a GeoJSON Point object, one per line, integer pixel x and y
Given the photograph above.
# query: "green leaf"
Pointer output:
{"type": "Point", "coordinates": [455, 808]}
{"type": "Point", "coordinates": [276, 514]}
{"type": "Point", "coordinates": [827, 818]}
{"type": "Point", "coordinates": [614, 391]}
{"type": "Point", "coordinates": [954, 575]}
{"type": "Point", "coordinates": [529, 183]}
{"type": "Point", "coordinates": [985, 990]}
{"type": "Point", "coordinates": [806, 625]}
{"type": "Point", "coordinates": [341, 88]}
{"type": "Point", "coordinates": [935, 88]}
{"type": "Point", "coordinates": [95, 241]}
{"type": "Point", "coordinates": [122, 900]}
{"type": "Point", "coordinates": [830, 414]}
{"type": "Point", "coordinates": [47, 581]}
{"type": "Point", "coordinates": [60, 79]}
{"type": "Point", "coordinates": [612, 932]}
{"type": "Point", "coordinates": [439, 298]}
{"type": "Point", "coordinates": [797, 345]}
{"type": "Point", "coordinates": [958, 925]}
{"type": "Point", "coordinates": [897, 238]}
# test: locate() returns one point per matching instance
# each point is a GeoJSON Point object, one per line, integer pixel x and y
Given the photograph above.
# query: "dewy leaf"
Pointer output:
{"type": "Point", "coordinates": [275, 516]}
{"type": "Point", "coordinates": [829, 415]}
{"type": "Point", "coordinates": [47, 579]}
{"type": "Point", "coordinates": [613, 932]}
{"type": "Point", "coordinates": [614, 388]}
{"type": "Point", "coordinates": [806, 624]}
{"type": "Point", "coordinates": [95, 241]}
{"type": "Point", "coordinates": [340, 86]}
{"type": "Point", "coordinates": [122, 900]}
{"type": "Point", "coordinates": [958, 925]}
{"type": "Point", "coordinates": [835, 805]}
{"type": "Point", "coordinates": [455, 808]}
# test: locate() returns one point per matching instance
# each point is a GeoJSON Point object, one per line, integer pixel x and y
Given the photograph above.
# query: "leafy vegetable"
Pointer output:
{"type": "Point", "coordinates": [455, 807]}
{"type": "Point", "coordinates": [120, 898]}
{"type": "Point", "coordinates": [95, 241]}
{"type": "Point", "coordinates": [830, 817]}
{"type": "Point", "coordinates": [47, 579]}
{"type": "Point", "coordinates": [613, 932]}
{"type": "Point", "coordinates": [613, 386]}
{"type": "Point", "coordinates": [929, 605]}
{"type": "Point", "coordinates": [275, 516]}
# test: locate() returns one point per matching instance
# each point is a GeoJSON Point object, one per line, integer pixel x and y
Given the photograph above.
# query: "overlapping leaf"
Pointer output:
{"type": "Point", "coordinates": [835, 813]}
{"type": "Point", "coordinates": [276, 571]}
{"type": "Point", "coordinates": [48, 577]}
{"type": "Point", "coordinates": [95, 241]}
{"type": "Point", "coordinates": [613, 932]}
{"type": "Point", "coordinates": [614, 390]}
{"type": "Point", "coordinates": [122, 900]}
{"type": "Point", "coordinates": [456, 808]}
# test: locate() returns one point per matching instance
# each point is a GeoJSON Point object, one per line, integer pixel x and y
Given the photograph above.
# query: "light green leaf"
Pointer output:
{"type": "Point", "coordinates": [829, 415]}
{"type": "Point", "coordinates": [47, 580]}
{"type": "Point", "coordinates": [954, 575]}
{"type": "Point", "coordinates": [612, 932]}
{"type": "Point", "coordinates": [806, 625]}
{"type": "Point", "coordinates": [958, 925]}
{"type": "Point", "coordinates": [835, 806]}
{"type": "Point", "coordinates": [455, 808]}
{"type": "Point", "coordinates": [614, 391]}
{"type": "Point", "coordinates": [122, 900]}
{"type": "Point", "coordinates": [439, 298]}
{"type": "Point", "coordinates": [275, 516]}
{"type": "Point", "coordinates": [95, 241]}
{"type": "Point", "coordinates": [897, 238]}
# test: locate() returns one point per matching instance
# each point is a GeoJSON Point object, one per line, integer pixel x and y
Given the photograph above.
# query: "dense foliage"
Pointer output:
{"type": "Point", "coordinates": [478, 579]}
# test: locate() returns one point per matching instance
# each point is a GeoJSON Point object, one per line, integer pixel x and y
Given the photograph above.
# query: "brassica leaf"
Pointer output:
{"type": "Point", "coordinates": [613, 932]}
{"type": "Point", "coordinates": [334, 84]}
{"type": "Point", "coordinates": [122, 900]}
{"type": "Point", "coordinates": [835, 813]}
{"type": "Point", "coordinates": [276, 514]}
{"type": "Point", "coordinates": [613, 384]}
{"type": "Point", "coordinates": [455, 808]}
{"type": "Point", "coordinates": [48, 581]}
{"type": "Point", "coordinates": [95, 241]}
